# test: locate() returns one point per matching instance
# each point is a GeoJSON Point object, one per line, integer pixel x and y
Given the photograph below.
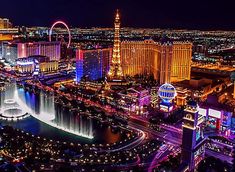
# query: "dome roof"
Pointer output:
{"type": "Point", "coordinates": [167, 92]}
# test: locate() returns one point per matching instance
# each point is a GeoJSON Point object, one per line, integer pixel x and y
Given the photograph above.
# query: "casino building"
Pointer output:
{"type": "Point", "coordinates": [134, 99]}
{"type": "Point", "coordinates": [218, 115]}
{"type": "Point", "coordinates": [93, 63]}
{"type": "Point", "coordinates": [167, 61]}
{"type": "Point", "coordinates": [13, 51]}
{"type": "Point", "coordinates": [36, 65]}
{"type": "Point", "coordinates": [137, 57]}
{"type": "Point", "coordinates": [49, 49]}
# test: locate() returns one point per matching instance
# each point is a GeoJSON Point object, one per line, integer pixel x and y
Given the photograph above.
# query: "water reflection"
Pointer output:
{"type": "Point", "coordinates": [44, 104]}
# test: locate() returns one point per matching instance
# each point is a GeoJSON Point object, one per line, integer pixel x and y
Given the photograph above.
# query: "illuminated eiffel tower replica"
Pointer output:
{"type": "Point", "coordinates": [115, 72]}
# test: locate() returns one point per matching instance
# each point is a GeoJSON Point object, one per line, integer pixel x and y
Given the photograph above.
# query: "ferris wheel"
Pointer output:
{"type": "Point", "coordinates": [67, 28]}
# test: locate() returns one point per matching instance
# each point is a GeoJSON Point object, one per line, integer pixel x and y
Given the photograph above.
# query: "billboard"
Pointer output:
{"type": "Point", "coordinates": [214, 113]}
{"type": "Point", "coordinates": [202, 111]}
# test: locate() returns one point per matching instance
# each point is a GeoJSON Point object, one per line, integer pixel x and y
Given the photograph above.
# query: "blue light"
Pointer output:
{"type": "Point", "coordinates": [167, 92]}
{"type": "Point", "coordinates": [79, 70]}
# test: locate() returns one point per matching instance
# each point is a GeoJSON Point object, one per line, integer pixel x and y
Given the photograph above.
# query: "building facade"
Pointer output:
{"type": "Point", "coordinates": [193, 141]}
{"type": "Point", "coordinates": [36, 65]}
{"type": "Point", "coordinates": [92, 63]}
{"type": "Point", "coordinates": [49, 49]}
{"type": "Point", "coordinates": [134, 100]}
{"type": "Point", "coordinates": [168, 62]}
{"type": "Point", "coordinates": [139, 57]}
{"type": "Point", "coordinates": [181, 61]}
{"type": "Point", "coordinates": [5, 23]}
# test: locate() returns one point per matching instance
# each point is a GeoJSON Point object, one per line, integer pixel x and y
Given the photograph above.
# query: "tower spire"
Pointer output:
{"type": "Point", "coordinates": [115, 71]}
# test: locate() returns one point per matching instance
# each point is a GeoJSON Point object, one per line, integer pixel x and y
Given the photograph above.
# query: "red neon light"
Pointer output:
{"type": "Point", "coordinates": [80, 55]}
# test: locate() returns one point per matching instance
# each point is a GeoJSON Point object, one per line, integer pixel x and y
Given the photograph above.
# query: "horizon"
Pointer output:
{"type": "Point", "coordinates": [210, 15]}
{"type": "Point", "coordinates": [129, 27]}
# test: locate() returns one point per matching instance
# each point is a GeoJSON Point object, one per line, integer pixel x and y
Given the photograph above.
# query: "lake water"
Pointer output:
{"type": "Point", "coordinates": [44, 104]}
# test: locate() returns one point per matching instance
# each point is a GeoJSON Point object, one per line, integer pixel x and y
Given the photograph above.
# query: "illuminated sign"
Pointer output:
{"type": "Point", "coordinates": [202, 111]}
{"type": "Point", "coordinates": [7, 37]}
{"type": "Point", "coordinates": [166, 108]}
{"type": "Point", "coordinates": [25, 63]}
{"type": "Point", "coordinates": [214, 113]}
{"type": "Point", "coordinates": [167, 92]}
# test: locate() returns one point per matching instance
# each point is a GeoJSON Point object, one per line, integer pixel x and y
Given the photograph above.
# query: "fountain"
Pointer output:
{"type": "Point", "coordinates": [74, 122]}
{"type": "Point", "coordinates": [47, 106]}
{"type": "Point", "coordinates": [17, 103]}
{"type": "Point", "coordinates": [10, 108]}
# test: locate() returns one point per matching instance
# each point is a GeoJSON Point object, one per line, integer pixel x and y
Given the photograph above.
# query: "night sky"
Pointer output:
{"type": "Point", "coordinates": [191, 14]}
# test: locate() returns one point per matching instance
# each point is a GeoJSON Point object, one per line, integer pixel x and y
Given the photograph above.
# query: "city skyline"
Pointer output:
{"type": "Point", "coordinates": [150, 14]}
{"type": "Point", "coordinates": [117, 98]}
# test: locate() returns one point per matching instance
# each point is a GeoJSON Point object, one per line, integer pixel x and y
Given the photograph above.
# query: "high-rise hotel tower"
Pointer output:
{"type": "Point", "coordinates": [115, 71]}
{"type": "Point", "coordinates": [181, 61]}
{"type": "Point", "coordinates": [166, 61]}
